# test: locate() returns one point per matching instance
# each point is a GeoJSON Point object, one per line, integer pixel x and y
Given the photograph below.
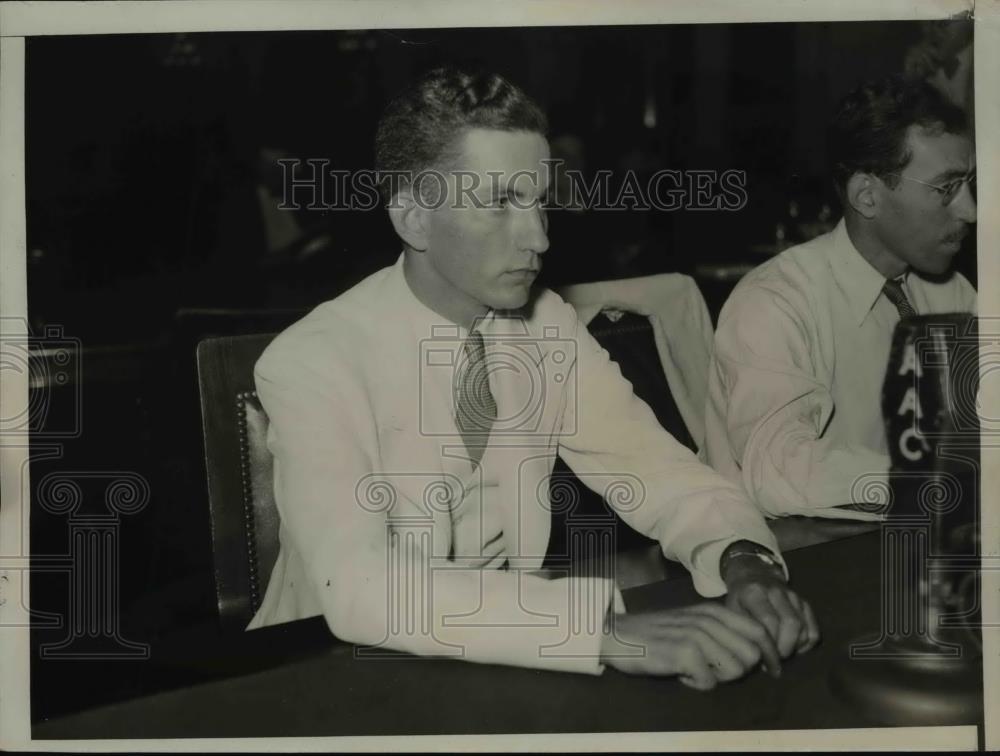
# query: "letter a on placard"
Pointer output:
{"type": "Point", "coordinates": [910, 403]}
{"type": "Point", "coordinates": [909, 363]}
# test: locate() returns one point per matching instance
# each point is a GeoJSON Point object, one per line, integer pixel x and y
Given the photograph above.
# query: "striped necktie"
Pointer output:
{"type": "Point", "coordinates": [475, 407]}
{"type": "Point", "coordinates": [894, 293]}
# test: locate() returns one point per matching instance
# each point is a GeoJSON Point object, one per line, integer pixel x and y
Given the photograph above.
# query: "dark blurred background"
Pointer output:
{"type": "Point", "coordinates": [152, 186]}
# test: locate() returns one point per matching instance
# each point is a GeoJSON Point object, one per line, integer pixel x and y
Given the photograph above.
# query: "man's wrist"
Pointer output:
{"type": "Point", "coordinates": [743, 557]}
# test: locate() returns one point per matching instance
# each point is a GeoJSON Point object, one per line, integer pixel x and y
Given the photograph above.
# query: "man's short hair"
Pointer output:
{"type": "Point", "coordinates": [868, 130]}
{"type": "Point", "coordinates": [422, 126]}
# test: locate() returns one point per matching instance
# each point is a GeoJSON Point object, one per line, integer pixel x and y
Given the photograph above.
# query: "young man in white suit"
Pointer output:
{"type": "Point", "coordinates": [415, 420]}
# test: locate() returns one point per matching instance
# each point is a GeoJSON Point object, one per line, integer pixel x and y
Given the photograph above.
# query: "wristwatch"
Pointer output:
{"type": "Point", "coordinates": [765, 556]}
{"type": "Point", "coordinates": [750, 550]}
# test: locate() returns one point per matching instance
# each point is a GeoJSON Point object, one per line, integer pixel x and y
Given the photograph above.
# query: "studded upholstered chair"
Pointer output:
{"type": "Point", "coordinates": [244, 517]}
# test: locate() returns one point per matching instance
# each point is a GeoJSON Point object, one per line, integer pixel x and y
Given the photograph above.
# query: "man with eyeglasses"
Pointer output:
{"type": "Point", "coordinates": [802, 344]}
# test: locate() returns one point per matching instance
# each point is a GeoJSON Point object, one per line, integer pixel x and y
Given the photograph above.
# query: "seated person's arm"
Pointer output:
{"type": "Point", "coordinates": [661, 489]}
{"type": "Point", "coordinates": [776, 410]}
{"type": "Point", "coordinates": [657, 485]}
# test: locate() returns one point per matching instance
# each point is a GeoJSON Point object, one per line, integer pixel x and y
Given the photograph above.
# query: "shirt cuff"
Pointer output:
{"type": "Point", "coordinates": [617, 606]}
{"type": "Point", "coordinates": [617, 601]}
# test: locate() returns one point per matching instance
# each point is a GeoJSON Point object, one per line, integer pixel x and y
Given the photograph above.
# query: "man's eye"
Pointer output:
{"type": "Point", "coordinates": [951, 190]}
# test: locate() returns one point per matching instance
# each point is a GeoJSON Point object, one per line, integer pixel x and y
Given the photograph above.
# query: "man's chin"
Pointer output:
{"type": "Point", "coordinates": [512, 299]}
{"type": "Point", "coordinates": [938, 266]}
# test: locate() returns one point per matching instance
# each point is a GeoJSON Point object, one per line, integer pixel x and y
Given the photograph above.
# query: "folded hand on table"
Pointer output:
{"type": "Point", "coordinates": [759, 590]}
{"type": "Point", "coordinates": [762, 622]}
{"type": "Point", "coordinates": [704, 644]}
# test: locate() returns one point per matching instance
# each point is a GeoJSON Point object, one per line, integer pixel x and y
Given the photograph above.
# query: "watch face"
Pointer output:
{"type": "Point", "coordinates": [763, 554]}
{"type": "Point", "coordinates": [766, 558]}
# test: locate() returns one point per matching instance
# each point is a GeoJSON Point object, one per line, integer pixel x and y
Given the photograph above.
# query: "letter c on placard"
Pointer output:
{"type": "Point", "coordinates": [906, 447]}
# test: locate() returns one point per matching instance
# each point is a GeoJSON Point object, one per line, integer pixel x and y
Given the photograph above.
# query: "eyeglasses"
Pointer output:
{"type": "Point", "coordinates": [949, 191]}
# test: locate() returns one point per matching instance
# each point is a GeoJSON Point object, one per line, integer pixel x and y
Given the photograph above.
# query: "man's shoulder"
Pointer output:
{"type": "Point", "coordinates": [791, 281]}
{"type": "Point", "coordinates": [548, 314]}
{"type": "Point", "coordinates": [548, 305]}
{"type": "Point", "coordinates": [803, 264]}
{"type": "Point", "coordinates": [336, 329]}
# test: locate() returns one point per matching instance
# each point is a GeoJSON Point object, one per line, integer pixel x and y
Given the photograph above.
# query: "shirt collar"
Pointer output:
{"type": "Point", "coordinates": [424, 322]}
{"type": "Point", "coordinates": [860, 283]}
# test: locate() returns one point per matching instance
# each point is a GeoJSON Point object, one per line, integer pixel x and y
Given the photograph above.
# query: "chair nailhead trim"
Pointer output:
{"type": "Point", "coordinates": [249, 529]}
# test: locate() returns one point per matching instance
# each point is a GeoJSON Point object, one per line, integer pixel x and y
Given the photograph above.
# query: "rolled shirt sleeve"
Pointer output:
{"type": "Point", "coordinates": [774, 406]}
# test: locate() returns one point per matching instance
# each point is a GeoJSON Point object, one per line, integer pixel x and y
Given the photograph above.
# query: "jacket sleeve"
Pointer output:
{"type": "Point", "coordinates": [374, 578]}
{"type": "Point", "coordinates": [615, 445]}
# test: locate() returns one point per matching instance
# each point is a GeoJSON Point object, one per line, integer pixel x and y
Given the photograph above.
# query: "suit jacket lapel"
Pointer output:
{"type": "Point", "coordinates": [410, 408]}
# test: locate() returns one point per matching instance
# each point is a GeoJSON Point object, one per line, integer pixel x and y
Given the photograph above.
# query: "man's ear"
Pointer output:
{"type": "Point", "coordinates": [862, 194]}
{"type": "Point", "coordinates": [409, 218]}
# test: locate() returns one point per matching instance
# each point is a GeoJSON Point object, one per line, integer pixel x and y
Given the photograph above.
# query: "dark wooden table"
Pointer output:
{"type": "Point", "coordinates": [295, 680]}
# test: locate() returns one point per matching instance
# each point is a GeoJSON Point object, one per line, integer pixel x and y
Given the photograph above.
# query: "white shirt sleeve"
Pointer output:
{"type": "Point", "coordinates": [776, 409]}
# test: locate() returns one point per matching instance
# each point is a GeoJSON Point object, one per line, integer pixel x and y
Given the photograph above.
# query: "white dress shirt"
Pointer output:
{"type": "Point", "coordinates": [794, 397]}
{"type": "Point", "coordinates": [477, 530]}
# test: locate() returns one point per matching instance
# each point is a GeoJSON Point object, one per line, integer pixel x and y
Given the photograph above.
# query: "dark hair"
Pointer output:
{"type": "Point", "coordinates": [868, 130]}
{"type": "Point", "coordinates": [422, 125]}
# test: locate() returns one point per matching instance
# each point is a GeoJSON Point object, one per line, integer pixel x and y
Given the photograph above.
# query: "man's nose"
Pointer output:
{"type": "Point", "coordinates": [533, 236]}
{"type": "Point", "coordinates": [964, 205]}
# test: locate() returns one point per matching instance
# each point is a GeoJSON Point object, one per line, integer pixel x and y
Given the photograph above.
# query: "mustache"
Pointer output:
{"type": "Point", "coordinates": [957, 235]}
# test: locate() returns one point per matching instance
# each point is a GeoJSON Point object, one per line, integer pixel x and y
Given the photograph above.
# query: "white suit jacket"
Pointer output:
{"type": "Point", "coordinates": [368, 463]}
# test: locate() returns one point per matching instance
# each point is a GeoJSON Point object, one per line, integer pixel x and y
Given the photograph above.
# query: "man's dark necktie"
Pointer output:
{"type": "Point", "coordinates": [475, 407]}
{"type": "Point", "coordinates": [893, 291]}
